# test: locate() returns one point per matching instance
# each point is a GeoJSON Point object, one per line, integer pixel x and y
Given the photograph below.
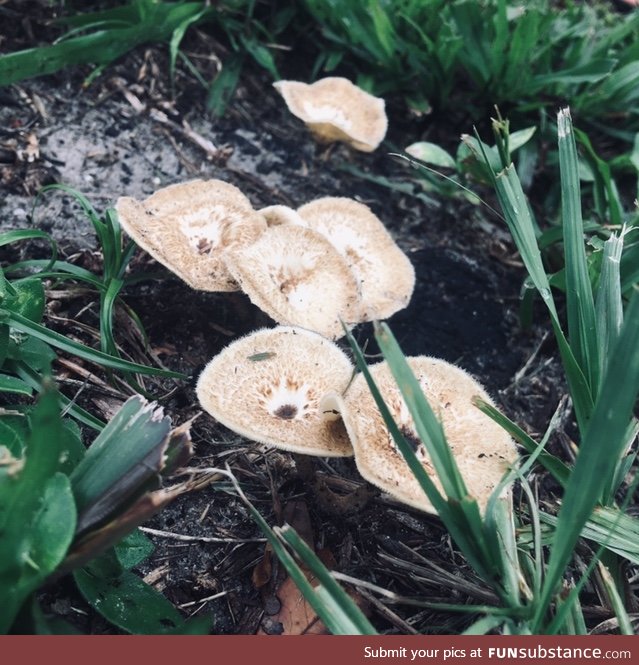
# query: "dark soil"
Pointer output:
{"type": "Point", "coordinates": [106, 141]}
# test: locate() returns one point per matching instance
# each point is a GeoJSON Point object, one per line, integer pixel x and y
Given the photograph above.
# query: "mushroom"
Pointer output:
{"type": "Point", "coordinates": [386, 277]}
{"type": "Point", "coordinates": [298, 278]}
{"type": "Point", "coordinates": [267, 387]}
{"type": "Point", "coordinates": [277, 215]}
{"type": "Point", "coordinates": [482, 449]}
{"type": "Point", "coordinates": [188, 226]}
{"type": "Point", "coordinates": [334, 109]}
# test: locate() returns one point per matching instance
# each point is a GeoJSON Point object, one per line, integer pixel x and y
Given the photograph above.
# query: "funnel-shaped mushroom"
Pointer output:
{"type": "Point", "coordinates": [187, 227]}
{"type": "Point", "coordinates": [334, 109]}
{"type": "Point", "coordinates": [482, 449]}
{"type": "Point", "coordinates": [386, 277]}
{"type": "Point", "coordinates": [298, 278]}
{"type": "Point", "coordinates": [267, 387]}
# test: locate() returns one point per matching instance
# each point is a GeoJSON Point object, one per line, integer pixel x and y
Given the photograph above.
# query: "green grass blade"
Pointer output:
{"type": "Point", "coordinates": [596, 462]}
{"type": "Point", "coordinates": [428, 427]}
{"type": "Point", "coordinates": [515, 206]}
{"type": "Point", "coordinates": [64, 344]}
{"type": "Point", "coordinates": [33, 379]}
{"type": "Point", "coordinates": [343, 611]}
{"type": "Point", "coordinates": [552, 464]}
{"type": "Point", "coordinates": [338, 624]}
{"type": "Point", "coordinates": [608, 303]}
{"type": "Point", "coordinates": [582, 326]}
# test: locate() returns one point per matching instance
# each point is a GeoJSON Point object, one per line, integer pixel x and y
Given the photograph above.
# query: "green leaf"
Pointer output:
{"type": "Point", "coordinates": [519, 138]}
{"type": "Point", "coordinates": [61, 342]}
{"type": "Point", "coordinates": [134, 549]}
{"type": "Point", "coordinates": [609, 304]}
{"type": "Point", "coordinates": [14, 433]}
{"type": "Point", "coordinates": [128, 602]}
{"type": "Point", "coordinates": [12, 384]}
{"type": "Point", "coordinates": [123, 459]}
{"type": "Point", "coordinates": [34, 550]}
{"type": "Point", "coordinates": [431, 153]}
{"type": "Point", "coordinates": [33, 352]}
{"type": "Point", "coordinates": [224, 85]}
{"type": "Point", "coordinates": [28, 300]}
{"type": "Point", "coordinates": [582, 325]}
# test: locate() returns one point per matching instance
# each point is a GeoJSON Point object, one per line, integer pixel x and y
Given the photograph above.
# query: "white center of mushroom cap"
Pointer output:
{"type": "Point", "coordinates": [326, 113]}
{"type": "Point", "coordinates": [203, 227]}
{"type": "Point", "coordinates": [288, 399]}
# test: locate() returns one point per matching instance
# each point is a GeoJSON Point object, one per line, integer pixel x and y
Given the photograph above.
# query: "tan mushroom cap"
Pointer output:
{"type": "Point", "coordinates": [334, 109]}
{"type": "Point", "coordinates": [279, 214]}
{"type": "Point", "coordinates": [482, 449]}
{"type": "Point", "coordinates": [267, 387]}
{"type": "Point", "coordinates": [187, 227]}
{"type": "Point", "coordinates": [386, 276]}
{"type": "Point", "coordinates": [298, 278]}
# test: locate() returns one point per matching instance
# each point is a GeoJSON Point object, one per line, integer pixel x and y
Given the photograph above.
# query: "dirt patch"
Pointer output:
{"type": "Point", "coordinates": [126, 135]}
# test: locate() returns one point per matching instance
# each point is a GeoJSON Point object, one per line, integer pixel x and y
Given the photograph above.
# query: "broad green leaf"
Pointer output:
{"type": "Point", "coordinates": [431, 153]}
{"type": "Point", "coordinates": [33, 551]}
{"type": "Point", "coordinates": [134, 549]}
{"type": "Point", "coordinates": [128, 602]}
{"type": "Point", "coordinates": [33, 352]}
{"type": "Point", "coordinates": [519, 138]}
{"type": "Point", "coordinates": [28, 300]}
{"type": "Point", "coordinates": [14, 432]}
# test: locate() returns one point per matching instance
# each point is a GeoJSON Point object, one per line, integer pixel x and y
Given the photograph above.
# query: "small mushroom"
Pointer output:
{"type": "Point", "coordinates": [187, 227]}
{"type": "Point", "coordinates": [334, 109]}
{"type": "Point", "coordinates": [482, 449]}
{"type": "Point", "coordinates": [298, 278]}
{"type": "Point", "coordinates": [267, 387]}
{"type": "Point", "coordinates": [386, 277]}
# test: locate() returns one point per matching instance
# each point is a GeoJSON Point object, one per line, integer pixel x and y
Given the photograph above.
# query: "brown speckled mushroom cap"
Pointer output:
{"type": "Point", "coordinates": [482, 449]}
{"type": "Point", "coordinates": [386, 276]}
{"type": "Point", "coordinates": [334, 109]}
{"type": "Point", "coordinates": [187, 227]}
{"type": "Point", "coordinates": [267, 387]}
{"type": "Point", "coordinates": [298, 278]}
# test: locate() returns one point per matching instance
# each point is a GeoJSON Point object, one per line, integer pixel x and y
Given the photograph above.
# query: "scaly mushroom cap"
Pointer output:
{"type": "Point", "coordinates": [482, 449]}
{"type": "Point", "coordinates": [334, 109]}
{"type": "Point", "coordinates": [298, 278]}
{"type": "Point", "coordinates": [187, 227]}
{"type": "Point", "coordinates": [267, 387]}
{"type": "Point", "coordinates": [386, 276]}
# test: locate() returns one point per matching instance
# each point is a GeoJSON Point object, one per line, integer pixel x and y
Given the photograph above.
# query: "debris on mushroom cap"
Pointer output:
{"type": "Point", "coordinates": [482, 449]}
{"type": "Point", "coordinates": [385, 274]}
{"type": "Point", "coordinates": [188, 226]}
{"type": "Point", "coordinates": [298, 278]}
{"type": "Point", "coordinates": [267, 387]}
{"type": "Point", "coordinates": [334, 109]}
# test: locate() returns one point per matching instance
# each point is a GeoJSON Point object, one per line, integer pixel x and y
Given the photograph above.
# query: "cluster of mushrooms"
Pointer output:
{"type": "Point", "coordinates": [328, 263]}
